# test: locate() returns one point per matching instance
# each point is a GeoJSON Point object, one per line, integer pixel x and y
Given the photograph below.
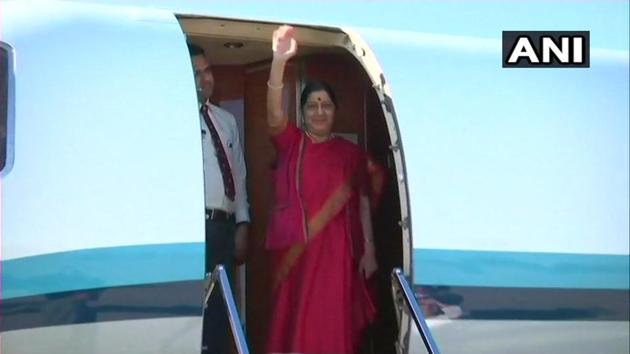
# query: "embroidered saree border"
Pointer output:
{"type": "Point", "coordinates": [333, 205]}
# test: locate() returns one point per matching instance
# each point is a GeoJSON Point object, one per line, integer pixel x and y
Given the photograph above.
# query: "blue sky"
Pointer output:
{"type": "Point", "coordinates": [607, 20]}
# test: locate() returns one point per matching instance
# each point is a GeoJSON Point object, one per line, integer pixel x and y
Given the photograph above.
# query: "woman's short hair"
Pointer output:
{"type": "Point", "coordinates": [313, 86]}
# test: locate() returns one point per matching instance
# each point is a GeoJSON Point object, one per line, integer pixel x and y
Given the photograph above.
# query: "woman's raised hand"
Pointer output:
{"type": "Point", "coordinates": [284, 44]}
{"type": "Point", "coordinates": [284, 48]}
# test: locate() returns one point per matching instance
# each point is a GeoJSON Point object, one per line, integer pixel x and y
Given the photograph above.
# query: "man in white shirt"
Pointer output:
{"type": "Point", "coordinates": [227, 209]}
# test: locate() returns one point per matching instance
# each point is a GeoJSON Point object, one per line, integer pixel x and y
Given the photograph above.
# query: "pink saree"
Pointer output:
{"type": "Point", "coordinates": [321, 302]}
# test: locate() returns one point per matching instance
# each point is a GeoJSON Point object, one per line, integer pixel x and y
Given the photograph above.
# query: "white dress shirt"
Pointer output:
{"type": "Point", "coordinates": [227, 129]}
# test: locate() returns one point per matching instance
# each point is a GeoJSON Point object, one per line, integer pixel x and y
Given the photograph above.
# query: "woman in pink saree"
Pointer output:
{"type": "Point", "coordinates": [320, 234]}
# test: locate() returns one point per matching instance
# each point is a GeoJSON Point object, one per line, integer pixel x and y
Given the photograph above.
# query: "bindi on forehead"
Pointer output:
{"type": "Point", "coordinates": [319, 99]}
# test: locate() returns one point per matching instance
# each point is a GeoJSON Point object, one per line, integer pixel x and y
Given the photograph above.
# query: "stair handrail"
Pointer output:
{"type": "Point", "coordinates": [401, 288]}
{"type": "Point", "coordinates": [219, 275]}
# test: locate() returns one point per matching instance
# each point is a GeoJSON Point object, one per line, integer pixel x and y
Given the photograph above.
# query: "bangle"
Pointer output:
{"type": "Point", "coordinates": [276, 87]}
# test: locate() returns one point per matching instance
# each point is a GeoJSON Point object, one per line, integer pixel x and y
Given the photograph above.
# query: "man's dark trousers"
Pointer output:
{"type": "Point", "coordinates": [219, 250]}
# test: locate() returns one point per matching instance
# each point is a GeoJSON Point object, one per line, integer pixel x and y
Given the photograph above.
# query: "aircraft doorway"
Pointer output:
{"type": "Point", "coordinates": [240, 54]}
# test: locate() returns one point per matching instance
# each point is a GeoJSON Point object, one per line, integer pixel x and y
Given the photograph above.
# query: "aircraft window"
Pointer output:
{"type": "Point", "coordinates": [5, 65]}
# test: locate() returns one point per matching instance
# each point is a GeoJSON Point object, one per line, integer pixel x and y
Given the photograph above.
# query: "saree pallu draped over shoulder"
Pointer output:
{"type": "Point", "coordinates": [321, 301]}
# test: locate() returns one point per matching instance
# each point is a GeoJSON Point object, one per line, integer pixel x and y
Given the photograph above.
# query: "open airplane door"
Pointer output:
{"type": "Point", "coordinates": [102, 208]}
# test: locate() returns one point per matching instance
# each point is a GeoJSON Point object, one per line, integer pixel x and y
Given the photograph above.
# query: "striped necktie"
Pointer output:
{"type": "Point", "coordinates": [224, 164]}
